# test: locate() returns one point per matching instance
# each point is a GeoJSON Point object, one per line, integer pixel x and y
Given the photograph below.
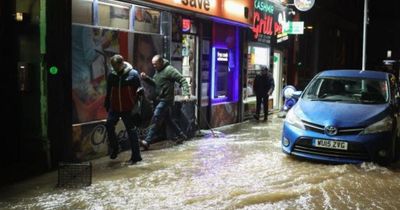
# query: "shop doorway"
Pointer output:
{"type": "Point", "coordinates": [189, 58]}
{"type": "Point", "coordinates": [189, 67]}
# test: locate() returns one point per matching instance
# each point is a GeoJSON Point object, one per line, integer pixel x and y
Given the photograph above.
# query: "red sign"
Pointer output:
{"type": "Point", "coordinates": [262, 24]}
{"type": "Point", "coordinates": [186, 25]}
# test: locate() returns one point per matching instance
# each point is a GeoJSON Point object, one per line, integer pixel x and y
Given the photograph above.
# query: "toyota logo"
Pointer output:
{"type": "Point", "coordinates": [330, 130]}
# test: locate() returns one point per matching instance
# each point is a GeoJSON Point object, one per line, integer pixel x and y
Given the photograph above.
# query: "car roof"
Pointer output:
{"type": "Point", "coordinates": [354, 73]}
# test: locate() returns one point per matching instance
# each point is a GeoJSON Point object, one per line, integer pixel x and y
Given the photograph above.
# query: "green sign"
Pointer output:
{"type": "Point", "coordinates": [53, 70]}
{"type": "Point", "coordinates": [294, 27]}
{"type": "Point", "coordinates": [264, 6]}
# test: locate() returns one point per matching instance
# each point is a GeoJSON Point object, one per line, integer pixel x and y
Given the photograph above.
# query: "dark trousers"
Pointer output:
{"type": "Point", "coordinates": [162, 114]}
{"type": "Point", "coordinates": [128, 120]}
{"type": "Point", "coordinates": [264, 101]}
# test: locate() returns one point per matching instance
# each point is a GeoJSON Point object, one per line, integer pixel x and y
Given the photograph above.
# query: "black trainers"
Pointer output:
{"type": "Point", "coordinates": [132, 161]}
{"type": "Point", "coordinates": [181, 137]}
{"type": "Point", "coordinates": [114, 154]}
{"type": "Point", "coordinates": [256, 117]}
{"type": "Point", "coordinates": [144, 144]}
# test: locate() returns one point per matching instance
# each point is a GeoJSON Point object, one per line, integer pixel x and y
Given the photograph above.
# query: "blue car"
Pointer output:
{"type": "Point", "coordinates": [345, 116]}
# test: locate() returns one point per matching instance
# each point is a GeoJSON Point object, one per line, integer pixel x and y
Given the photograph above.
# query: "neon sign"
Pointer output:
{"type": "Point", "coordinates": [222, 56]}
{"type": "Point", "coordinates": [197, 4]}
{"type": "Point", "coordinates": [186, 25]}
{"type": "Point", "coordinates": [262, 24]}
{"type": "Point", "coordinates": [264, 6]}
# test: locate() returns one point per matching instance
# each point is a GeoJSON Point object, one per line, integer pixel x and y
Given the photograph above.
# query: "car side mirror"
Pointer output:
{"type": "Point", "coordinates": [296, 94]}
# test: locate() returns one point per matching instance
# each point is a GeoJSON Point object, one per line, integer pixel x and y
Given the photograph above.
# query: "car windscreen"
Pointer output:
{"type": "Point", "coordinates": [347, 90]}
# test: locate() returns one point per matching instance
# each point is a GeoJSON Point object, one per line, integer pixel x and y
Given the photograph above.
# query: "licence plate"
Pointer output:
{"type": "Point", "coordinates": [331, 144]}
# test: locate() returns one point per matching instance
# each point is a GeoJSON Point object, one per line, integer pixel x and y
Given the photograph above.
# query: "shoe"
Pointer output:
{"type": "Point", "coordinates": [132, 161]}
{"type": "Point", "coordinates": [178, 141]}
{"type": "Point", "coordinates": [256, 117]}
{"type": "Point", "coordinates": [181, 137]}
{"type": "Point", "coordinates": [114, 154]}
{"type": "Point", "coordinates": [144, 144]}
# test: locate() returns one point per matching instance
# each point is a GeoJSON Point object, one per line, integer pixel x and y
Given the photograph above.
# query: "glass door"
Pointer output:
{"type": "Point", "coordinates": [189, 66]}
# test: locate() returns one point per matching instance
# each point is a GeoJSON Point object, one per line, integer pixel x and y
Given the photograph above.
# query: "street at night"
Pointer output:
{"type": "Point", "coordinates": [240, 167]}
{"type": "Point", "coordinates": [160, 104]}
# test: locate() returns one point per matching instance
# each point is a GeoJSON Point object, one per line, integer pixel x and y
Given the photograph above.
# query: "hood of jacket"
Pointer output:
{"type": "Point", "coordinates": [127, 68]}
{"type": "Point", "coordinates": [166, 63]}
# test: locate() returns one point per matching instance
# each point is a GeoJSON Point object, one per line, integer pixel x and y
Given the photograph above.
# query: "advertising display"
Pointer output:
{"type": "Point", "coordinates": [219, 79]}
{"type": "Point", "coordinates": [91, 49]}
{"type": "Point", "coordinates": [263, 22]}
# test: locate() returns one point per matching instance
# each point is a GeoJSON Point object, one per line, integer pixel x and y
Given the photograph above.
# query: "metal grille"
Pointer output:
{"type": "Point", "coordinates": [341, 131]}
{"type": "Point", "coordinates": [74, 174]}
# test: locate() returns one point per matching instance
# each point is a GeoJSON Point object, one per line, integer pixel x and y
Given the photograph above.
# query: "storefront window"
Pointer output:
{"type": "Point", "coordinates": [113, 14]}
{"type": "Point", "coordinates": [147, 20]}
{"type": "Point", "coordinates": [258, 57]}
{"type": "Point", "coordinates": [188, 60]}
{"type": "Point", "coordinates": [82, 11]}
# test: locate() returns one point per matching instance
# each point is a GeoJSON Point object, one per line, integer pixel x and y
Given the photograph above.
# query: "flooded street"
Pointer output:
{"type": "Point", "coordinates": [240, 168]}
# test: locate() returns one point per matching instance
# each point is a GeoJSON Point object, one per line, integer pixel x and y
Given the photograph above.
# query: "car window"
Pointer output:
{"type": "Point", "coordinates": [347, 90]}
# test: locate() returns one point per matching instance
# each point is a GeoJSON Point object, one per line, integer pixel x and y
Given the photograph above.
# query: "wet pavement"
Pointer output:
{"type": "Point", "coordinates": [240, 167]}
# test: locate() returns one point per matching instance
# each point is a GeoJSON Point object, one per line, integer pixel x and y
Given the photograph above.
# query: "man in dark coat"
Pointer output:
{"type": "Point", "coordinates": [121, 97]}
{"type": "Point", "coordinates": [263, 86]}
{"type": "Point", "coordinates": [164, 81]}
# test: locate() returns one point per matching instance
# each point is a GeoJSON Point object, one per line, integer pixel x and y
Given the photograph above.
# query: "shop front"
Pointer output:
{"type": "Point", "coordinates": [205, 41]}
{"type": "Point", "coordinates": [263, 50]}
{"type": "Point", "coordinates": [199, 38]}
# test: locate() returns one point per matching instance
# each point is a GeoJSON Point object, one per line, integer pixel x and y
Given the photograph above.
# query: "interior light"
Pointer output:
{"type": "Point", "coordinates": [19, 16]}
{"type": "Point", "coordinates": [112, 4]}
{"type": "Point", "coordinates": [234, 7]}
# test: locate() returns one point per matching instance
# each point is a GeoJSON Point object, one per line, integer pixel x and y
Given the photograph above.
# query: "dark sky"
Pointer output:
{"type": "Point", "coordinates": [383, 30]}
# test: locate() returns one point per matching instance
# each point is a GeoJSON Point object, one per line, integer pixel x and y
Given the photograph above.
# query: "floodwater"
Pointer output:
{"type": "Point", "coordinates": [241, 167]}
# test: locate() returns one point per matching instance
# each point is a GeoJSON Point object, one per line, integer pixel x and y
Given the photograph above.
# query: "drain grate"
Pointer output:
{"type": "Point", "coordinates": [74, 174]}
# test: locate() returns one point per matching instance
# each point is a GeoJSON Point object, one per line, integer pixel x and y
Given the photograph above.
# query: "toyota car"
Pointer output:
{"type": "Point", "coordinates": [345, 116]}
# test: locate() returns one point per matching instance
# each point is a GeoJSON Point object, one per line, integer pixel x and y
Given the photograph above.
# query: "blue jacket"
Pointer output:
{"type": "Point", "coordinates": [121, 93]}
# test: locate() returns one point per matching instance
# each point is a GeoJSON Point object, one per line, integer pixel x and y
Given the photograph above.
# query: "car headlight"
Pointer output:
{"type": "Point", "coordinates": [294, 120]}
{"type": "Point", "coordinates": [381, 126]}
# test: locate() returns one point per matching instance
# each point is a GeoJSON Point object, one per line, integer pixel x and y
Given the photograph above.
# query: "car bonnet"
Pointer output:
{"type": "Point", "coordinates": [340, 114]}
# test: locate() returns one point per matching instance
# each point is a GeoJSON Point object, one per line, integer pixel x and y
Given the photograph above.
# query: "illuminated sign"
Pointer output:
{"type": "Point", "coordinates": [304, 5]}
{"type": "Point", "coordinates": [219, 75]}
{"type": "Point", "coordinates": [295, 27]}
{"type": "Point", "coordinates": [281, 25]}
{"type": "Point", "coordinates": [232, 10]}
{"type": "Point", "coordinates": [201, 4]}
{"type": "Point", "coordinates": [186, 25]}
{"type": "Point", "coordinates": [262, 24]}
{"type": "Point", "coordinates": [222, 55]}
{"type": "Point", "coordinates": [264, 6]}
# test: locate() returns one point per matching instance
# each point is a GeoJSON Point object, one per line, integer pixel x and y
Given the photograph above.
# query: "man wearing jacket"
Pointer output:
{"type": "Point", "coordinates": [263, 86]}
{"type": "Point", "coordinates": [121, 97]}
{"type": "Point", "coordinates": [164, 81]}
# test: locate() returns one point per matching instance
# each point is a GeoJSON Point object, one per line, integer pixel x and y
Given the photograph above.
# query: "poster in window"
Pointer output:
{"type": "Point", "coordinates": [147, 20]}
